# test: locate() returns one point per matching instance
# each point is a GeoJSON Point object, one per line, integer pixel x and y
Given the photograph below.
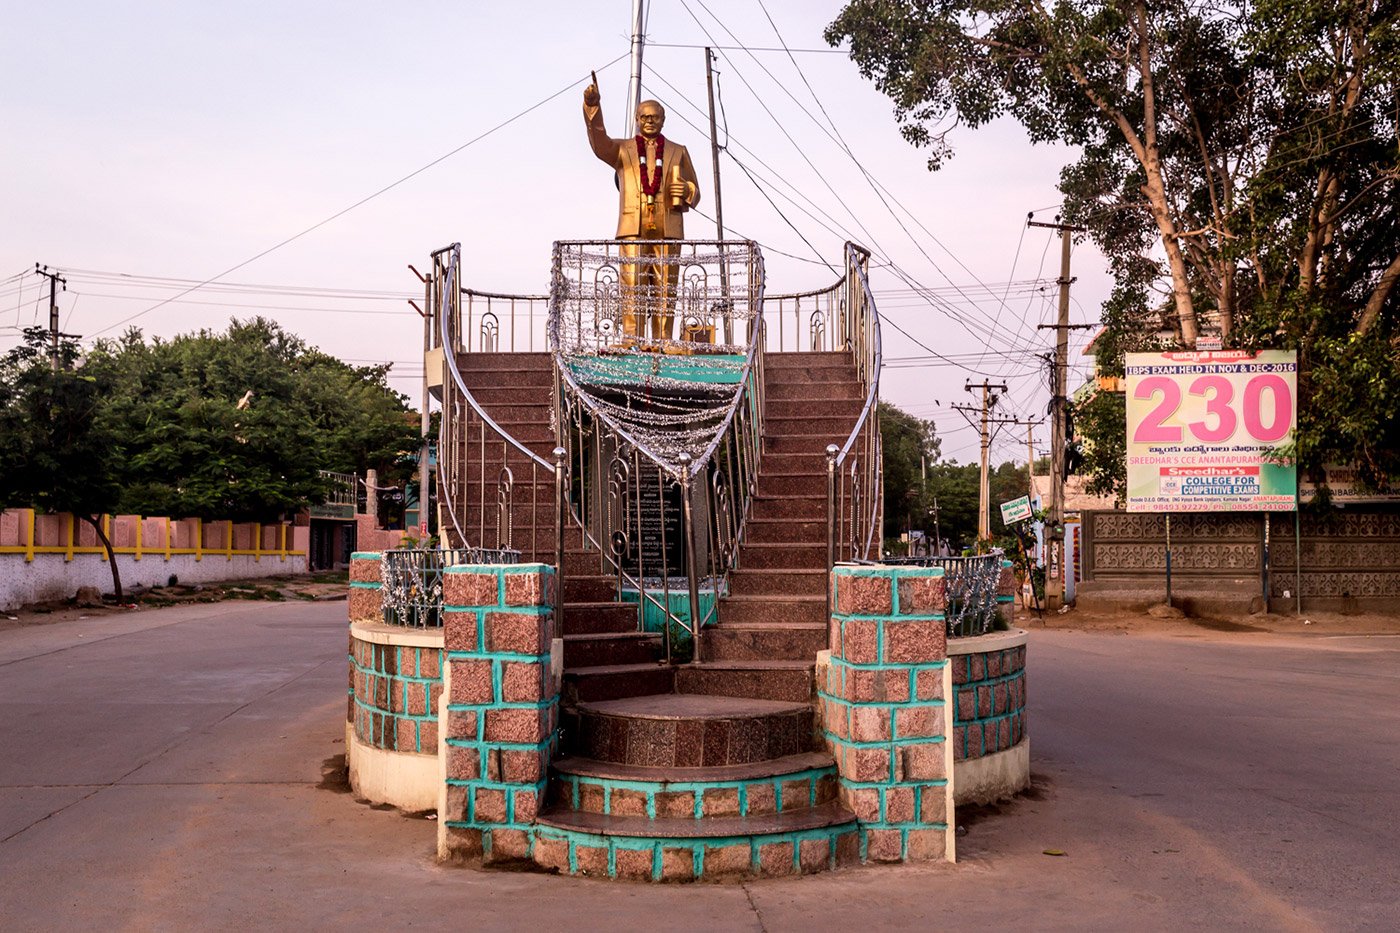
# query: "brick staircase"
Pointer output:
{"type": "Point", "coordinates": [702, 770]}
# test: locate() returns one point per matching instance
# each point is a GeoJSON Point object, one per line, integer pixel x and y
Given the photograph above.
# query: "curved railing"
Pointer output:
{"type": "Point", "coordinates": [661, 413]}
{"type": "Point", "coordinates": [971, 595]}
{"type": "Point", "coordinates": [469, 438]}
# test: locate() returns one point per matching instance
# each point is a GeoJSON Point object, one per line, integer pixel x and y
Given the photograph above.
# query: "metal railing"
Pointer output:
{"type": "Point", "coordinates": [411, 581]}
{"type": "Point", "coordinates": [660, 375]}
{"type": "Point", "coordinates": [971, 592]}
{"type": "Point", "coordinates": [485, 471]}
{"type": "Point", "coordinates": [855, 482]}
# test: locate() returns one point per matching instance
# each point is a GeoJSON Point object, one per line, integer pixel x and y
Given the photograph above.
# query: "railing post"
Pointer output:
{"type": "Point", "coordinates": [560, 511]}
{"type": "Point", "coordinates": [831, 451]}
{"type": "Point", "coordinates": [692, 572]}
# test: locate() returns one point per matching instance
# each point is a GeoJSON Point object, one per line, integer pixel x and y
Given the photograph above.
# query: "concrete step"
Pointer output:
{"type": "Point", "coordinates": [810, 610]}
{"type": "Point", "coordinates": [764, 641]}
{"type": "Point", "coordinates": [791, 555]}
{"type": "Point", "coordinates": [745, 582]}
{"type": "Point", "coordinates": [786, 681]}
{"type": "Point", "coordinates": [667, 730]}
{"type": "Point", "coordinates": [616, 681]}
{"type": "Point", "coordinates": [786, 784]}
{"type": "Point", "coordinates": [604, 648]}
{"type": "Point", "coordinates": [819, 372]}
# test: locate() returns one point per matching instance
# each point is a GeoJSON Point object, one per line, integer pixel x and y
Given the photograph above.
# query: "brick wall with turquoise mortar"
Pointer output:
{"type": "Point", "coordinates": [1006, 593]}
{"type": "Point", "coordinates": [884, 710]}
{"type": "Point", "coordinates": [989, 708]}
{"type": "Point", "coordinates": [393, 688]}
{"type": "Point", "coordinates": [364, 599]}
{"type": "Point", "coordinates": [500, 709]}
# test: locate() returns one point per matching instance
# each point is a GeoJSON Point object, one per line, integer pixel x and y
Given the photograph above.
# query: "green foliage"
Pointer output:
{"type": "Point", "coordinates": [230, 425]}
{"type": "Point", "coordinates": [907, 444]}
{"type": "Point", "coordinates": [56, 456]}
{"type": "Point", "coordinates": [1237, 165]}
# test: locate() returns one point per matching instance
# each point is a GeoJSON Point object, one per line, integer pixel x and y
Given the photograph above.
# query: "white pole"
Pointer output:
{"type": "Point", "coordinates": [634, 82]}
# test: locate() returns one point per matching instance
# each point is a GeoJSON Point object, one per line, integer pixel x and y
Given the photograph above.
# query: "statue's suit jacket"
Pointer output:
{"type": "Point", "coordinates": [621, 154]}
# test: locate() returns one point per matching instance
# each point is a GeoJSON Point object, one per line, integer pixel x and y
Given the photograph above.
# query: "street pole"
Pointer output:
{"type": "Point", "coordinates": [1055, 581]}
{"type": "Point", "coordinates": [54, 279]}
{"type": "Point", "coordinates": [634, 80]}
{"type": "Point", "coordinates": [989, 398]}
{"type": "Point", "coordinates": [719, 200]}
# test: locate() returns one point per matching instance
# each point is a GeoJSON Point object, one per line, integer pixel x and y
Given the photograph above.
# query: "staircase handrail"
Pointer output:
{"type": "Point", "coordinates": [446, 307]}
{"type": "Point", "coordinates": [722, 521]}
{"type": "Point", "coordinates": [865, 489]}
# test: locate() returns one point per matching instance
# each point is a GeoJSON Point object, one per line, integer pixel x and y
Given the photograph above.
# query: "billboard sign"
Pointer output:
{"type": "Point", "coordinates": [1200, 425]}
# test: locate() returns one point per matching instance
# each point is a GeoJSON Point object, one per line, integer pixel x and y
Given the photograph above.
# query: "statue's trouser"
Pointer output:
{"type": "Point", "coordinates": [649, 272]}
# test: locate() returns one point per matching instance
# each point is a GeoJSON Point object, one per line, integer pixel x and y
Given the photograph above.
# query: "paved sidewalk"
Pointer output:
{"type": "Point", "coordinates": [164, 770]}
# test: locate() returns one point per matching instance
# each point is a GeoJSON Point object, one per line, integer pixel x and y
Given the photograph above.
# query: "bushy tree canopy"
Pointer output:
{"type": "Point", "coordinates": [1238, 167]}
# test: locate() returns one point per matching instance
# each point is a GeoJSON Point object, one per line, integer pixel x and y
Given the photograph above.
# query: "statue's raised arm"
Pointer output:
{"type": "Point", "coordinates": [656, 185]}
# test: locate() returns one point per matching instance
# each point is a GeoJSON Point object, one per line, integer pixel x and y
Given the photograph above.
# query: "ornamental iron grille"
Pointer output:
{"type": "Point", "coordinates": [411, 581]}
{"type": "Point", "coordinates": [972, 584]}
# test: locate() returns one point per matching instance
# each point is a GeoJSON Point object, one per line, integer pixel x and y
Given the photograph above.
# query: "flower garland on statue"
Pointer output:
{"type": "Point", "coordinates": [650, 186]}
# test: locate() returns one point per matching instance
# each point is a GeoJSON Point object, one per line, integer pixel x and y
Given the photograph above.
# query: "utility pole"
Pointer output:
{"type": "Point", "coordinates": [1055, 532]}
{"type": "Point", "coordinates": [634, 79]}
{"type": "Point", "coordinates": [714, 142]}
{"type": "Point", "coordinates": [937, 535]}
{"type": "Point", "coordinates": [1030, 457]}
{"type": "Point", "coordinates": [989, 400]}
{"type": "Point", "coordinates": [719, 200]}
{"type": "Point", "coordinates": [54, 279]}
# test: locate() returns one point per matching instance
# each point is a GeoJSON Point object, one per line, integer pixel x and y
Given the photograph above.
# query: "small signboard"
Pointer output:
{"type": "Point", "coordinates": [1017, 510]}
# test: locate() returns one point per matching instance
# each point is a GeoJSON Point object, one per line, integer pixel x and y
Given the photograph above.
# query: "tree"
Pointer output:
{"type": "Point", "coordinates": [56, 457]}
{"type": "Point", "coordinates": [1241, 154]}
{"type": "Point", "coordinates": [907, 444]}
{"type": "Point", "coordinates": [239, 425]}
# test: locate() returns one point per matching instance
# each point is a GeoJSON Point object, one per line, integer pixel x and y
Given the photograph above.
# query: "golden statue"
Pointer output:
{"type": "Point", "coordinates": [656, 186]}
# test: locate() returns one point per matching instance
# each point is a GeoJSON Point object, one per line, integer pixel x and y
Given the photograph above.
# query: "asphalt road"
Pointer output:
{"type": "Point", "coordinates": [164, 771]}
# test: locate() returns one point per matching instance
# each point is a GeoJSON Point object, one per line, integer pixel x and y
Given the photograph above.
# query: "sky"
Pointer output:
{"type": "Point", "coordinates": [304, 154]}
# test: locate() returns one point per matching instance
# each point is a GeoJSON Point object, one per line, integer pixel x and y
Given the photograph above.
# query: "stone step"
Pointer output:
{"type": "Point", "coordinates": [804, 443]}
{"type": "Point", "coordinates": [813, 373]}
{"type": "Point", "coordinates": [601, 618]}
{"type": "Point", "coordinates": [810, 508]}
{"type": "Point", "coordinates": [678, 849]}
{"type": "Point", "coordinates": [847, 408]}
{"type": "Point", "coordinates": [809, 422]}
{"type": "Point", "coordinates": [616, 681]}
{"type": "Point", "coordinates": [513, 389]}
{"type": "Point", "coordinates": [772, 485]}
{"type": "Point", "coordinates": [793, 782]}
{"type": "Point", "coordinates": [785, 681]}
{"type": "Point", "coordinates": [796, 359]}
{"type": "Point", "coordinates": [821, 391]}
{"type": "Point", "coordinates": [670, 730]}
{"type": "Point", "coordinates": [806, 610]}
{"type": "Point", "coordinates": [808, 463]}
{"type": "Point", "coordinates": [744, 582]}
{"type": "Point", "coordinates": [775, 530]}
{"type": "Point", "coordinates": [476, 363]}
{"type": "Point", "coordinates": [590, 589]}
{"type": "Point", "coordinates": [792, 555]}
{"type": "Point", "coordinates": [601, 648]}
{"type": "Point", "coordinates": [765, 641]}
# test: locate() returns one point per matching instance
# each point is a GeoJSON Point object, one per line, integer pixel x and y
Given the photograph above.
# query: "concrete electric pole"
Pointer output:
{"type": "Point", "coordinates": [54, 280]}
{"type": "Point", "coordinates": [1055, 527]}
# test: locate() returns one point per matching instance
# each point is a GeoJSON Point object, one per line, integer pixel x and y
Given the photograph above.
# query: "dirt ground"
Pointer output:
{"type": "Point", "coordinates": [315, 587]}
{"type": "Point", "coordinates": [1089, 618]}
{"type": "Point", "coordinates": [1084, 617]}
